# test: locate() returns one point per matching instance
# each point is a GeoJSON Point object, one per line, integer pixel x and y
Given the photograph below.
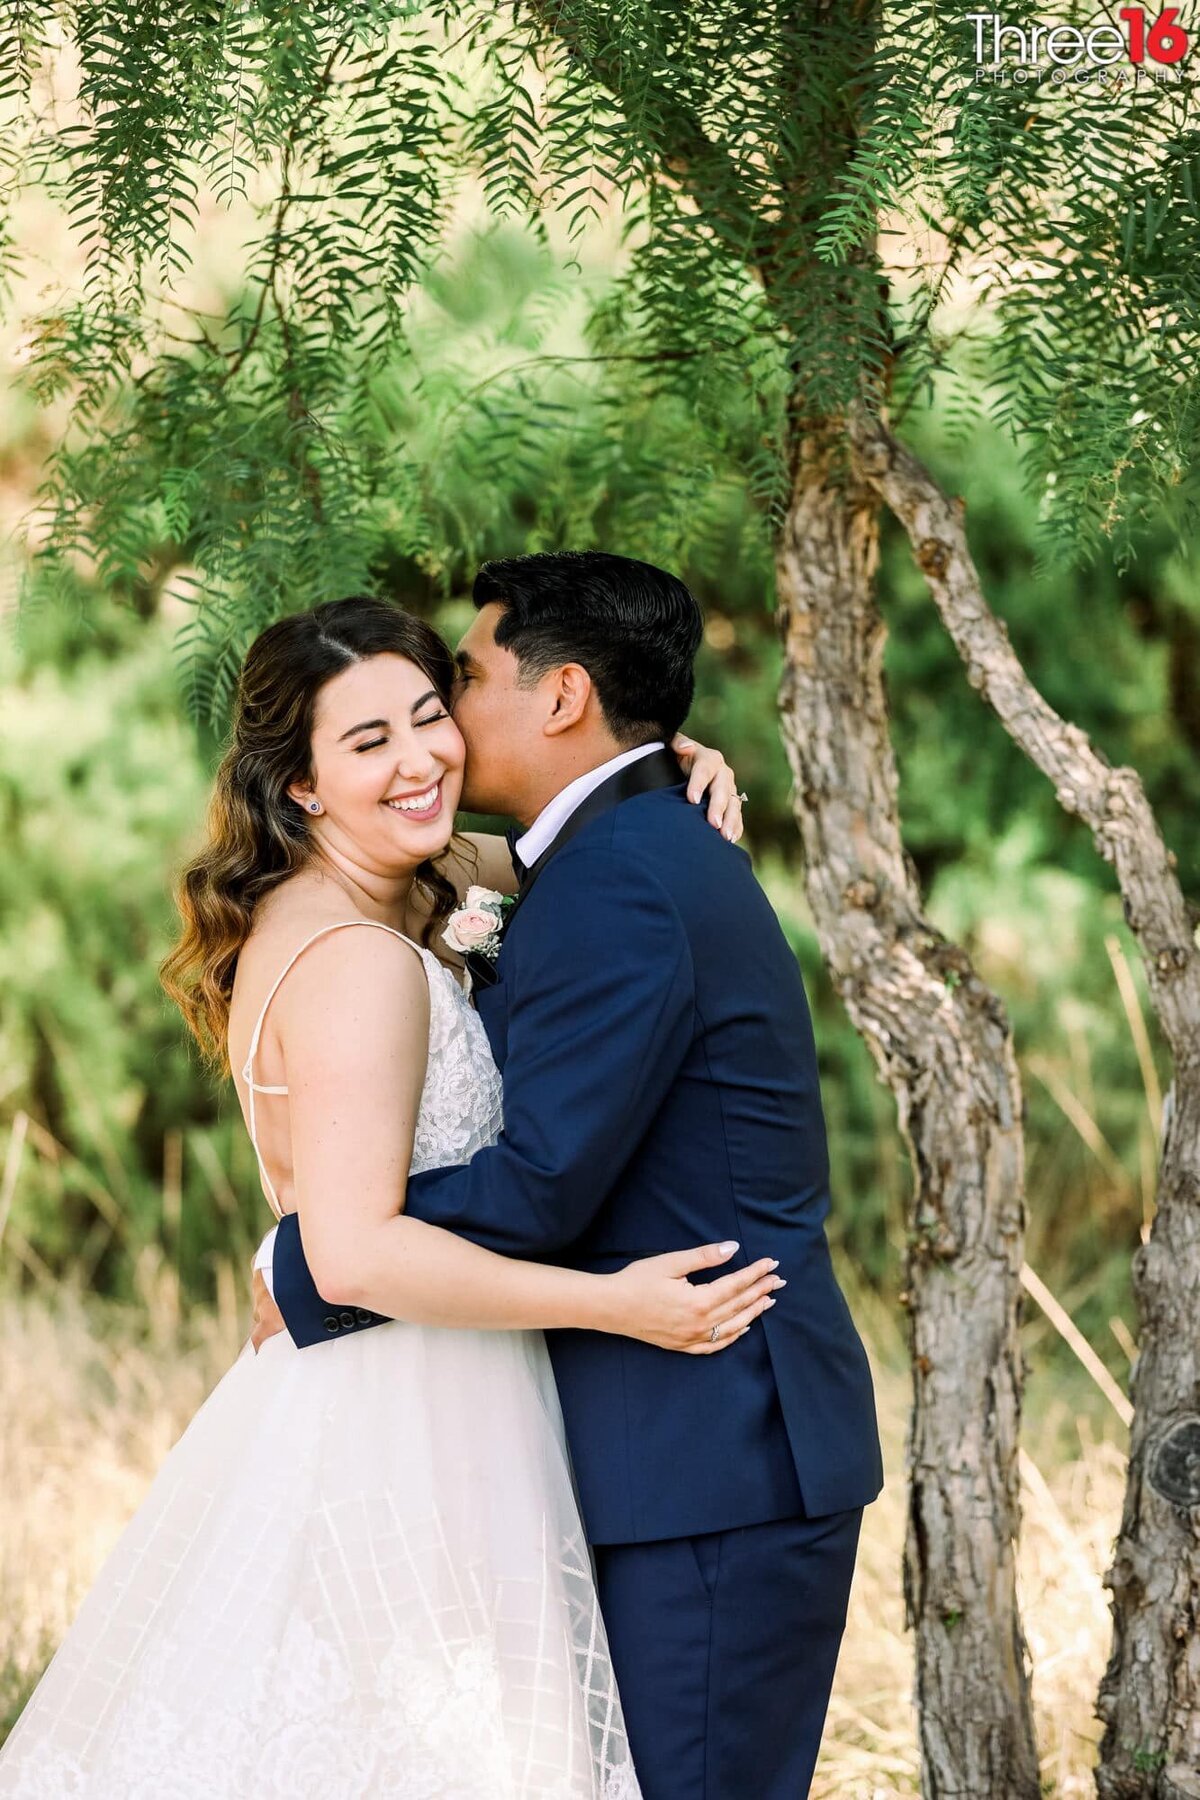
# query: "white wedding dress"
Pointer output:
{"type": "Point", "coordinates": [360, 1573]}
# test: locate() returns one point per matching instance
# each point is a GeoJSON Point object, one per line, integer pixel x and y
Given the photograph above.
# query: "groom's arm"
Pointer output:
{"type": "Point", "coordinates": [599, 1021]}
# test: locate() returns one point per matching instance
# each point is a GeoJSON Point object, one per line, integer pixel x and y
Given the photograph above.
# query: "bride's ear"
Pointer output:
{"type": "Point", "coordinates": [570, 694]}
{"type": "Point", "coordinates": [302, 793]}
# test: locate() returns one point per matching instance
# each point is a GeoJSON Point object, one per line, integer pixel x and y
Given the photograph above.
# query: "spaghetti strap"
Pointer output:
{"type": "Point", "coordinates": [253, 1087]}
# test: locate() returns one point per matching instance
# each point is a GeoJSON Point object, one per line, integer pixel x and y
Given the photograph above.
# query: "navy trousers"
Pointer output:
{"type": "Point", "coordinates": [724, 1648]}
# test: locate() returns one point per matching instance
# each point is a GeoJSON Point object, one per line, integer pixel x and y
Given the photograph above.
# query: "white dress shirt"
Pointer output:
{"type": "Point", "coordinates": [529, 847]}
{"type": "Point", "coordinates": [552, 818]}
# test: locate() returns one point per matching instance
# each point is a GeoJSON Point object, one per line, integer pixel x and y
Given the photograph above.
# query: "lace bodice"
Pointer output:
{"type": "Point", "coordinates": [460, 1101]}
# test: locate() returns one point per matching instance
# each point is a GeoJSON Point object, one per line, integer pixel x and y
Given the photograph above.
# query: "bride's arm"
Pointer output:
{"type": "Point", "coordinates": [353, 1022]}
{"type": "Point", "coordinates": [481, 857]}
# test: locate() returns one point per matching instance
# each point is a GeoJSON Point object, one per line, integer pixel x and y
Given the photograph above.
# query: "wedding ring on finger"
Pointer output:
{"type": "Point", "coordinates": [743, 798]}
{"type": "Point", "coordinates": [714, 1334]}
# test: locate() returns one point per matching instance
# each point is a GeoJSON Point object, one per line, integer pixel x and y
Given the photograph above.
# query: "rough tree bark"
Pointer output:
{"type": "Point", "coordinates": [1150, 1696]}
{"type": "Point", "coordinates": [943, 1044]}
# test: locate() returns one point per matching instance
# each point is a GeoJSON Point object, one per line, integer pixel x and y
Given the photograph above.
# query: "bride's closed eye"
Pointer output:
{"type": "Point", "coordinates": [374, 743]}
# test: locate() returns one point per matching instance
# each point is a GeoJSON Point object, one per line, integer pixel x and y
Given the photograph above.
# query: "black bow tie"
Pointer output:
{"type": "Point", "coordinates": [510, 838]}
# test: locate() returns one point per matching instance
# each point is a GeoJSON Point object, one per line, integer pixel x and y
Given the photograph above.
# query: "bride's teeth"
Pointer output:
{"type": "Point", "coordinates": [423, 803]}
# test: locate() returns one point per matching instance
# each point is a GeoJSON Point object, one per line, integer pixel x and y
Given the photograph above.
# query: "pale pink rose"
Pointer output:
{"type": "Point", "coordinates": [469, 929]}
{"type": "Point", "coordinates": [481, 896]}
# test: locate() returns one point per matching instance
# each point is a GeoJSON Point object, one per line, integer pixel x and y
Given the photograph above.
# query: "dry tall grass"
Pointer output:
{"type": "Point", "coordinates": [90, 1403]}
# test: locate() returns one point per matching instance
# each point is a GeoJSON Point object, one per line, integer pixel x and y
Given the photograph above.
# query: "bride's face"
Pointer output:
{"type": "Point", "coordinates": [387, 763]}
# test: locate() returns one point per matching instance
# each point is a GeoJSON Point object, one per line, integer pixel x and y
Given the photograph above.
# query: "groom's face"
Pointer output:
{"type": "Point", "coordinates": [501, 721]}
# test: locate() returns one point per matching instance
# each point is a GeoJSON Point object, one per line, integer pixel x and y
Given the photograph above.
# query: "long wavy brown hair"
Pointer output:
{"type": "Point", "coordinates": [257, 834]}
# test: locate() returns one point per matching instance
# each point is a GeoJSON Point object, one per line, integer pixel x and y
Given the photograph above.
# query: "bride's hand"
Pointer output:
{"type": "Point", "coordinates": [653, 1300]}
{"type": "Point", "coordinates": [268, 1320]}
{"type": "Point", "coordinates": [708, 772]}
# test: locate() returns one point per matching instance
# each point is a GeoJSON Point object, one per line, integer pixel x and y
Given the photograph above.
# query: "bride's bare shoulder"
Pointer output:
{"type": "Point", "coordinates": [283, 920]}
{"type": "Point", "coordinates": [329, 972]}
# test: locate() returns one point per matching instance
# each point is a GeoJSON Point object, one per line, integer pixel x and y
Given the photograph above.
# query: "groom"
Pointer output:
{"type": "Point", "coordinates": [660, 1091]}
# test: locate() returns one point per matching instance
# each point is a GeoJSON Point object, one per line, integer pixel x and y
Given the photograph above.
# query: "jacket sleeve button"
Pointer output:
{"type": "Point", "coordinates": [331, 1325]}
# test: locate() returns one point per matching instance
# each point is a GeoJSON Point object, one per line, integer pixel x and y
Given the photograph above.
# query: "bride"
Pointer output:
{"type": "Point", "coordinates": [361, 1571]}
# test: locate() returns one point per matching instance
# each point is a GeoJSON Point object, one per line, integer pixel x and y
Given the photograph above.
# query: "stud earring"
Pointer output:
{"type": "Point", "coordinates": [314, 806]}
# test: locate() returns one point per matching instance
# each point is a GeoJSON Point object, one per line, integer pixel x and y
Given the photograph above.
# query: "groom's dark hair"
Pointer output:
{"type": "Point", "coordinates": [634, 628]}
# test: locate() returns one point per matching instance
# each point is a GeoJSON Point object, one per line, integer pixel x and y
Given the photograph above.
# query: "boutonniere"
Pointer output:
{"type": "Point", "coordinates": [478, 924]}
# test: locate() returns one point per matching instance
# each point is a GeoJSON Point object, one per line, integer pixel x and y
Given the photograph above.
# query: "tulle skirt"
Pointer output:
{"type": "Point", "coordinates": [361, 1572]}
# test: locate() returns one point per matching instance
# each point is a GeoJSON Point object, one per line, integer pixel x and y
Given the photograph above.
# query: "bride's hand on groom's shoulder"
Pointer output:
{"type": "Point", "coordinates": [653, 1300]}
{"type": "Point", "coordinates": [709, 773]}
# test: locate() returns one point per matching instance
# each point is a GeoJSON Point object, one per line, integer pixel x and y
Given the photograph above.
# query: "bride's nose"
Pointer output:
{"type": "Point", "coordinates": [415, 763]}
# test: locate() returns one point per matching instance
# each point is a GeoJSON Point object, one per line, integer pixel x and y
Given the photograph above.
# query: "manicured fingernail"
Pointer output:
{"type": "Point", "coordinates": [728, 1249]}
{"type": "Point", "coordinates": [774, 1263]}
{"type": "Point", "coordinates": [780, 1283]}
{"type": "Point", "coordinates": [767, 1303]}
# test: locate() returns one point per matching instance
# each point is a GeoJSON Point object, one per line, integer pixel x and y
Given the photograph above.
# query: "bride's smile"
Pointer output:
{"type": "Point", "coordinates": [387, 769]}
{"type": "Point", "coordinates": [423, 803]}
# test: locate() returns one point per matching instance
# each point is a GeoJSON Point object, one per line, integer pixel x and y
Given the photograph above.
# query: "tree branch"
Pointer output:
{"type": "Point", "coordinates": [1111, 801]}
{"type": "Point", "coordinates": [269, 280]}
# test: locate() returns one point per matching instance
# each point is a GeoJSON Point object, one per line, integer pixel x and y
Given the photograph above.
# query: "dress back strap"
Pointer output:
{"type": "Point", "coordinates": [253, 1087]}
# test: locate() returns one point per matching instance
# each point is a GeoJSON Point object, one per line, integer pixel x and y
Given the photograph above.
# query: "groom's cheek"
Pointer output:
{"type": "Point", "coordinates": [479, 768]}
{"type": "Point", "coordinates": [462, 712]}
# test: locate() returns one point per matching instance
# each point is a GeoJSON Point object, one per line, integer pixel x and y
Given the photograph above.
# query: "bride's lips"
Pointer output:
{"type": "Point", "coordinates": [412, 809]}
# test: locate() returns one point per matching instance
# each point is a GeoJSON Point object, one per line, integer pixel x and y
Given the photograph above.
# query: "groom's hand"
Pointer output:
{"type": "Point", "coordinates": [268, 1320]}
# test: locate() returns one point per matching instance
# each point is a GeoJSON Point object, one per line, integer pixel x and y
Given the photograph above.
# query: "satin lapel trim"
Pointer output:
{"type": "Point", "coordinates": [643, 777]}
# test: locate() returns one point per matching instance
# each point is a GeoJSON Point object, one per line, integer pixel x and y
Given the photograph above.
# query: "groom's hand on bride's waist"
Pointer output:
{"type": "Point", "coordinates": [267, 1320]}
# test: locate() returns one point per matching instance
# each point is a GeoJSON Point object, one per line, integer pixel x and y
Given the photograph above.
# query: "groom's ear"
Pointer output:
{"type": "Point", "coordinates": [570, 692]}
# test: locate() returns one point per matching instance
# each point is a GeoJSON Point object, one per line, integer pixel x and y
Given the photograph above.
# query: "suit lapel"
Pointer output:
{"type": "Point", "coordinates": [649, 773]}
{"type": "Point", "coordinates": [659, 770]}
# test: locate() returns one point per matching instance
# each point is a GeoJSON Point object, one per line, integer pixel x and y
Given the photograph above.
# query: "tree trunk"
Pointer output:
{"type": "Point", "coordinates": [1150, 1696]}
{"type": "Point", "coordinates": [943, 1044]}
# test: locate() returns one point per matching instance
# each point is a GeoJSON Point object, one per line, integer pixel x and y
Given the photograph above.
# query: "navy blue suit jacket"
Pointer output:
{"type": "Point", "coordinates": [660, 1091]}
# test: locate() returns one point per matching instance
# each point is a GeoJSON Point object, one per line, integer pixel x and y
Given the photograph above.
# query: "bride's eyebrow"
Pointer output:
{"type": "Point", "coordinates": [385, 724]}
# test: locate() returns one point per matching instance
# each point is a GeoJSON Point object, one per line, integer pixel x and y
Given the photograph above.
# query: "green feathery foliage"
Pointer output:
{"type": "Point", "coordinates": [817, 203]}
